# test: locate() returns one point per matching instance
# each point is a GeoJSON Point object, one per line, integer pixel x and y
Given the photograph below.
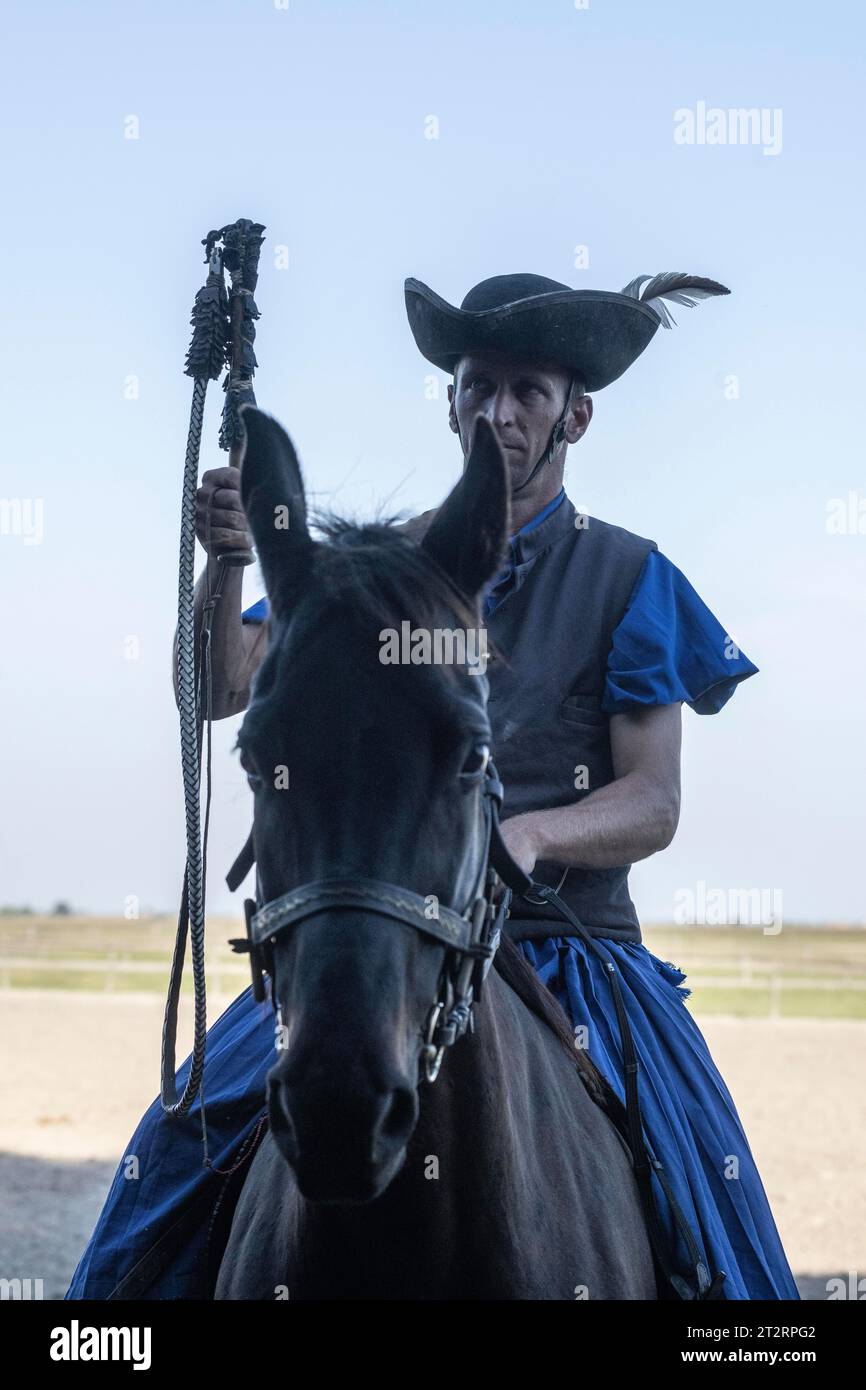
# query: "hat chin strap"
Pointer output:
{"type": "Point", "coordinates": [557, 435]}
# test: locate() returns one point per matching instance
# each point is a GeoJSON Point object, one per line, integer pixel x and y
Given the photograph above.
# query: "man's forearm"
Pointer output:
{"type": "Point", "coordinates": [621, 823]}
{"type": "Point", "coordinates": [231, 643]}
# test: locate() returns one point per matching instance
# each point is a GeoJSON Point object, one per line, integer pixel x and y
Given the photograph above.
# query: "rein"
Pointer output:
{"type": "Point", "coordinates": [630, 1120]}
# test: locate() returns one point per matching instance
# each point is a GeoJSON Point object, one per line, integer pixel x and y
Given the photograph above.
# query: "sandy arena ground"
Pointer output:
{"type": "Point", "coordinates": [80, 1069]}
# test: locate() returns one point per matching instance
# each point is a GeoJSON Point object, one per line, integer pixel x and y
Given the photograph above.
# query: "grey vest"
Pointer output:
{"type": "Point", "coordinates": [552, 633]}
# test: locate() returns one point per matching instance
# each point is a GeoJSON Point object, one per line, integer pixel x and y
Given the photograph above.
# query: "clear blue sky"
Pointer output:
{"type": "Point", "coordinates": [556, 129]}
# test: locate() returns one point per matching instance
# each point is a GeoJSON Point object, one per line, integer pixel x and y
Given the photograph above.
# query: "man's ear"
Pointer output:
{"type": "Point", "coordinates": [272, 494]}
{"type": "Point", "coordinates": [469, 534]}
{"type": "Point", "coordinates": [452, 410]}
{"type": "Point", "coordinates": [578, 420]}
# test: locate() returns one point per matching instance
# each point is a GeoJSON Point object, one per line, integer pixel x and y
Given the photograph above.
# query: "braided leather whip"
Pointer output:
{"type": "Point", "coordinates": [223, 334]}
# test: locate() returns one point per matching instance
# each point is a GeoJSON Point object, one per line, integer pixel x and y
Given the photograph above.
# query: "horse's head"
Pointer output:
{"type": "Point", "coordinates": [364, 766]}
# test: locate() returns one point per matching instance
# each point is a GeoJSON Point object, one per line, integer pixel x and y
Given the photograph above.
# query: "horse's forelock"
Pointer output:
{"type": "Point", "coordinates": [388, 576]}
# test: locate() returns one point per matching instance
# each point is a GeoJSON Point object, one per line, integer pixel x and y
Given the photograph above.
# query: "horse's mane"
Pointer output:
{"type": "Point", "coordinates": [386, 572]}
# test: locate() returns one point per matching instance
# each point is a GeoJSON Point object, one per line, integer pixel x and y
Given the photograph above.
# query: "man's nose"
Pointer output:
{"type": "Point", "coordinates": [501, 409]}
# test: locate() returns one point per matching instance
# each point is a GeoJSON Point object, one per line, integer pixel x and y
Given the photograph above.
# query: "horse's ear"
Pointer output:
{"type": "Point", "coordinates": [469, 532]}
{"type": "Point", "coordinates": [272, 493]}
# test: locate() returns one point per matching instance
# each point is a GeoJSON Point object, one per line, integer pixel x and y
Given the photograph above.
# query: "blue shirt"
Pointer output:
{"type": "Point", "coordinates": [497, 589]}
{"type": "Point", "coordinates": [669, 646]}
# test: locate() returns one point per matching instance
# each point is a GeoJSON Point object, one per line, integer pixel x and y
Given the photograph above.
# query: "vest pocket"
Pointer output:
{"type": "Point", "coordinates": [583, 709]}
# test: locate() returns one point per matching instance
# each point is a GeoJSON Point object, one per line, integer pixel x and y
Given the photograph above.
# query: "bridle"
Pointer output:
{"type": "Point", "coordinates": [471, 936]}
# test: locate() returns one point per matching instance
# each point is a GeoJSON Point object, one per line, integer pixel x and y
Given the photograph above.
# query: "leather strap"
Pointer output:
{"type": "Point", "coordinates": [557, 434]}
{"type": "Point", "coordinates": [242, 865]}
{"type": "Point", "coordinates": [631, 1125]}
{"type": "Point", "coordinates": [386, 899]}
{"type": "Point", "coordinates": [644, 1161]}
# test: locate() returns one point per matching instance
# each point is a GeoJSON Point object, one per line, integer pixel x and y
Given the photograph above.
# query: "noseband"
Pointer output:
{"type": "Point", "coordinates": [470, 937]}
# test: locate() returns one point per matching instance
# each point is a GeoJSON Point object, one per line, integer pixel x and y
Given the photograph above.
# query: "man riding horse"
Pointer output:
{"type": "Point", "coordinates": [598, 642]}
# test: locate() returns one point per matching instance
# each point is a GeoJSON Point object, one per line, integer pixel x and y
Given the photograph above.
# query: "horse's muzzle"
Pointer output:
{"type": "Point", "coordinates": [342, 1147]}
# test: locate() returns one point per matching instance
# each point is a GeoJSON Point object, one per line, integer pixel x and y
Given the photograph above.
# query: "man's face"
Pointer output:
{"type": "Point", "coordinates": [522, 400]}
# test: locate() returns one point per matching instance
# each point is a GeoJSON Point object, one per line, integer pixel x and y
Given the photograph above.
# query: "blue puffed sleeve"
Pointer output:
{"type": "Point", "coordinates": [669, 647]}
{"type": "Point", "coordinates": [257, 613]}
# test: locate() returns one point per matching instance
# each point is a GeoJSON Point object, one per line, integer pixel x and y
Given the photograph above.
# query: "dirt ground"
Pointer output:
{"type": "Point", "coordinates": [79, 1070]}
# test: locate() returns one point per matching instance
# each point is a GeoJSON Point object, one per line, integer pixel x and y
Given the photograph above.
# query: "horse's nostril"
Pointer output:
{"type": "Point", "coordinates": [399, 1115]}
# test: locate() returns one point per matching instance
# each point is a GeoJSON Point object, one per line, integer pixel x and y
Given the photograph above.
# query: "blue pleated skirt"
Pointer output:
{"type": "Point", "coordinates": [689, 1118]}
{"type": "Point", "coordinates": [161, 1173]}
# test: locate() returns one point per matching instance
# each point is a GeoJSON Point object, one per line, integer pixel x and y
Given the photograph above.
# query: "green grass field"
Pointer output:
{"type": "Point", "coordinates": [804, 972]}
{"type": "Point", "coordinates": [110, 954]}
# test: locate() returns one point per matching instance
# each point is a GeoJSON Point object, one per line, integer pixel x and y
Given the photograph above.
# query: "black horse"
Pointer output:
{"type": "Point", "coordinates": [506, 1178]}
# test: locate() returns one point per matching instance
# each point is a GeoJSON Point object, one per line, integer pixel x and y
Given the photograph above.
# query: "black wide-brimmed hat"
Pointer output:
{"type": "Point", "coordinates": [594, 334]}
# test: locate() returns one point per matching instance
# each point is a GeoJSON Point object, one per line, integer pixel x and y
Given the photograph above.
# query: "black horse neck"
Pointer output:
{"type": "Point", "coordinates": [498, 1196]}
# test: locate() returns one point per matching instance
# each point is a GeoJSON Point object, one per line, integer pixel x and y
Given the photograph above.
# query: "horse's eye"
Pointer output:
{"type": "Point", "coordinates": [253, 779]}
{"type": "Point", "coordinates": [475, 765]}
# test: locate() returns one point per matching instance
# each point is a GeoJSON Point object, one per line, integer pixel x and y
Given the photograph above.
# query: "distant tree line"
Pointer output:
{"type": "Point", "coordinates": [60, 909]}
